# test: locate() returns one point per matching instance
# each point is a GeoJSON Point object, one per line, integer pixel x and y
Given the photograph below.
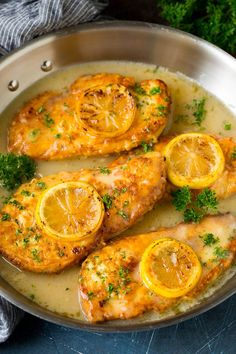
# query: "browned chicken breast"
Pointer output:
{"type": "Point", "coordinates": [129, 190]}
{"type": "Point", "coordinates": [110, 283]}
{"type": "Point", "coordinates": [98, 115]}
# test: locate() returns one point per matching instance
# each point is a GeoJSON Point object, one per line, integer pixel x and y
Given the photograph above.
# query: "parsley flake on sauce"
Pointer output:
{"type": "Point", "coordinates": [209, 239]}
{"type": "Point", "coordinates": [105, 170]}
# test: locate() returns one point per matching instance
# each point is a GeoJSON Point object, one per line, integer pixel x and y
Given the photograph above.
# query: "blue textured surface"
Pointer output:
{"type": "Point", "coordinates": [213, 332]}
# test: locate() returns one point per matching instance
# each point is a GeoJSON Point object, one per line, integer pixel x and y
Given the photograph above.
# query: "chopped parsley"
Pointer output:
{"type": "Point", "coordinates": [18, 232]}
{"type": "Point", "coordinates": [209, 239]}
{"type": "Point", "coordinates": [123, 214]}
{"type": "Point", "coordinates": [192, 215]}
{"type": "Point", "coordinates": [57, 136]}
{"type": "Point", "coordinates": [25, 193]}
{"type": "Point", "coordinates": [107, 200]}
{"type": "Point", "coordinates": [139, 90]}
{"type": "Point", "coordinates": [35, 254]}
{"type": "Point", "coordinates": [61, 253]}
{"type": "Point", "coordinates": [199, 111]}
{"type": "Point", "coordinates": [155, 90]}
{"type": "Point", "coordinates": [207, 200]}
{"type": "Point", "coordinates": [41, 109]}
{"type": "Point", "coordinates": [25, 242]}
{"type": "Point", "coordinates": [48, 121]}
{"type": "Point", "coordinates": [220, 253]}
{"type": "Point", "coordinates": [110, 288]}
{"type": "Point", "coordinates": [227, 126]}
{"type": "Point", "coordinates": [125, 204]}
{"type": "Point", "coordinates": [41, 185]}
{"type": "Point", "coordinates": [15, 170]}
{"type": "Point", "coordinates": [5, 217]}
{"type": "Point", "coordinates": [233, 154]}
{"type": "Point", "coordinates": [194, 208]}
{"type": "Point", "coordinates": [15, 203]}
{"type": "Point", "coordinates": [147, 146]}
{"type": "Point", "coordinates": [34, 134]}
{"type": "Point", "coordinates": [105, 170]}
{"type": "Point", "coordinates": [90, 294]}
{"type": "Point", "coordinates": [181, 198]}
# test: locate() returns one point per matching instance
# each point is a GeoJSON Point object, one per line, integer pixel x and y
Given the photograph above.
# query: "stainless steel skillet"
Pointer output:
{"type": "Point", "coordinates": [141, 42]}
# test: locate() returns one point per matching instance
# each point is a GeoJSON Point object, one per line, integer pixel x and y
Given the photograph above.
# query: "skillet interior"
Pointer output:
{"type": "Point", "coordinates": [211, 67]}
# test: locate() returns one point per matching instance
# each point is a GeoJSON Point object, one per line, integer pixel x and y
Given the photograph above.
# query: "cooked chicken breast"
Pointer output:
{"type": "Point", "coordinates": [50, 127]}
{"type": "Point", "coordinates": [110, 283]}
{"type": "Point", "coordinates": [132, 188]}
{"type": "Point", "coordinates": [225, 185]}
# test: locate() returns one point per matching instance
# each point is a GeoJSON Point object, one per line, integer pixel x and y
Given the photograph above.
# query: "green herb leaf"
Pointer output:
{"type": "Point", "coordinates": [233, 154]}
{"type": "Point", "coordinates": [5, 217]}
{"type": "Point", "coordinates": [48, 121]}
{"type": "Point", "coordinates": [155, 90]}
{"type": "Point", "coordinates": [41, 185]}
{"type": "Point", "coordinates": [107, 200]}
{"type": "Point", "coordinates": [209, 239]}
{"type": "Point", "coordinates": [199, 111]}
{"type": "Point", "coordinates": [192, 215]}
{"type": "Point", "coordinates": [15, 170]}
{"type": "Point", "coordinates": [35, 254]}
{"type": "Point", "coordinates": [221, 253]}
{"type": "Point", "coordinates": [210, 19]}
{"type": "Point", "coordinates": [123, 214]}
{"type": "Point", "coordinates": [105, 170]}
{"type": "Point", "coordinates": [227, 126]}
{"type": "Point", "coordinates": [181, 198]}
{"type": "Point", "coordinates": [147, 146]}
{"type": "Point", "coordinates": [139, 90]}
{"type": "Point", "coordinates": [207, 200]}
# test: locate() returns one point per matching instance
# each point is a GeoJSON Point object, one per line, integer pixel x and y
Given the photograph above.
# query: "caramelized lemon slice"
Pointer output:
{"type": "Point", "coordinates": [194, 159]}
{"type": "Point", "coordinates": [106, 110]}
{"type": "Point", "coordinates": [70, 210]}
{"type": "Point", "coordinates": [170, 268]}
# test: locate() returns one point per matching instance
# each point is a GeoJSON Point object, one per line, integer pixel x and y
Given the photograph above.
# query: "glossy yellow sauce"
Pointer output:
{"type": "Point", "coordinates": [59, 293]}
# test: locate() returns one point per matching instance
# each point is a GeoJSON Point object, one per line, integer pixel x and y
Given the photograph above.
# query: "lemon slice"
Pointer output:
{"type": "Point", "coordinates": [70, 210]}
{"type": "Point", "coordinates": [194, 159]}
{"type": "Point", "coordinates": [170, 268]}
{"type": "Point", "coordinates": [106, 110]}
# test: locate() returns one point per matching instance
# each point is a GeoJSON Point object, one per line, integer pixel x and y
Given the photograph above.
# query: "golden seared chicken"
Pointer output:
{"type": "Point", "coordinates": [99, 114]}
{"type": "Point", "coordinates": [128, 190]}
{"type": "Point", "coordinates": [225, 185]}
{"type": "Point", "coordinates": [111, 286]}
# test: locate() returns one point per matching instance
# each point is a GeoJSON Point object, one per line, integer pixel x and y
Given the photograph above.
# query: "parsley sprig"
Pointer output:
{"type": "Point", "coordinates": [194, 207]}
{"type": "Point", "coordinates": [212, 20]}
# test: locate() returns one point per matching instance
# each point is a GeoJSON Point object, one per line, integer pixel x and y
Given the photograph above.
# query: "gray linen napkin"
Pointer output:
{"type": "Point", "coordinates": [20, 21]}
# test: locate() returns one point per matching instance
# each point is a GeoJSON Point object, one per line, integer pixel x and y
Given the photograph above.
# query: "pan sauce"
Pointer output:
{"type": "Point", "coordinates": [59, 293]}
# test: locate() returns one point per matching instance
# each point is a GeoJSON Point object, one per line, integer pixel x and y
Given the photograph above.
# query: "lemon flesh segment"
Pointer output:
{"type": "Point", "coordinates": [70, 210]}
{"type": "Point", "coordinates": [170, 268]}
{"type": "Point", "coordinates": [194, 159]}
{"type": "Point", "coordinates": [106, 110]}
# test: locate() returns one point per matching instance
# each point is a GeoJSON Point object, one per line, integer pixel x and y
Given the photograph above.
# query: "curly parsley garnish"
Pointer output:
{"type": "Point", "coordinates": [15, 170]}
{"type": "Point", "coordinates": [194, 208]}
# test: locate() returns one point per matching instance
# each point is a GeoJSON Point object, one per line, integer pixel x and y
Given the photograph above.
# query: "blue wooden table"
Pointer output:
{"type": "Point", "coordinates": [213, 332]}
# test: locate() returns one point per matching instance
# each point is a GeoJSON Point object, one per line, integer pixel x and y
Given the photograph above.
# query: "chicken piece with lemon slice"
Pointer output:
{"type": "Point", "coordinates": [199, 161]}
{"type": "Point", "coordinates": [52, 223]}
{"type": "Point", "coordinates": [99, 114]}
{"type": "Point", "coordinates": [157, 271]}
